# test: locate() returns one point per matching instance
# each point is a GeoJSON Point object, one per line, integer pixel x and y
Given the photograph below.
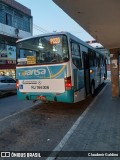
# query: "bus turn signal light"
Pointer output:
{"type": "Point", "coordinates": [91, 71]}
{"type": "Point", "coordinates": [17, 84]}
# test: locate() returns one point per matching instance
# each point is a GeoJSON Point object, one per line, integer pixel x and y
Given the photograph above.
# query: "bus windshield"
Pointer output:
{"type": "Point", "coordinates": [43, 50]}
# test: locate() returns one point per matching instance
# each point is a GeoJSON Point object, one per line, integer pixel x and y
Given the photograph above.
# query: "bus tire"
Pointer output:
{"type": "Point", "coordinates": [92, 89]}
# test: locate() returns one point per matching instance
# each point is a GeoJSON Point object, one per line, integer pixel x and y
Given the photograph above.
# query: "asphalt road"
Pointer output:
{"type": "Point", "coordinates": [39, 128]}
{"type": "Point", "coordinates": [9, 105]}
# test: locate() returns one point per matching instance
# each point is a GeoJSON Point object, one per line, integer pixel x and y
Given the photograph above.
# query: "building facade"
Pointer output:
{"type": "Point", "coordinates": [16, 22]}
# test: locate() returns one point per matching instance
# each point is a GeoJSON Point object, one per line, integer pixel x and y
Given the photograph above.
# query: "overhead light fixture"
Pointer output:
{"type": "Point", "coordinates": [40, 46]}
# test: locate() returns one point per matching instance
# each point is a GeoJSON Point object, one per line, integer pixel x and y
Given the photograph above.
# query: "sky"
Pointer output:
{"type": "Point", "coordinates": [48, 17]}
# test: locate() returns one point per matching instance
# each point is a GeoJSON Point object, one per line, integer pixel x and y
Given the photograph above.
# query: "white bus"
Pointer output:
{"type": "Point", "coordinates": [58, 67]}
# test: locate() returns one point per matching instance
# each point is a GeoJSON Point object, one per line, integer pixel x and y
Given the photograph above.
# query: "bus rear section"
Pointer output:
{"type": "Point", "coordinates": [47, 83]}
{"type": "Point", "coordinates": [43, 69]}
{"type": "Point", "coordinates": [58, 67]}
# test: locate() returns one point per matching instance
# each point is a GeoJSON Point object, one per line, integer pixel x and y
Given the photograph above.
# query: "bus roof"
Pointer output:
{"type": "Point", "coordinates": [41, 35]}
{"type": "Point", "coordinates": [60, 33]}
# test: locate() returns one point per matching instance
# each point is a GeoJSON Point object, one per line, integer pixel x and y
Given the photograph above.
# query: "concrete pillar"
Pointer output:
{"type": "Point", "coordinates": [114, 63]}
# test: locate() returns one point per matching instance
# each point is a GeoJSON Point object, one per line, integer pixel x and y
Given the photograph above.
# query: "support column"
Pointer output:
{"type": "Point", "coordinates": [114, 63]}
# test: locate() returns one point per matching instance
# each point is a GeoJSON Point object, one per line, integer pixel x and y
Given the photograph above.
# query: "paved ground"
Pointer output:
{"type": "Point", "coordinates": [99, 130]}
{"type": "Point", "coordinates": [10, 105]}
{"type": "Point", "coordinates": [38, 128]}
{"type": "Point", "coordinates": [42, 128]}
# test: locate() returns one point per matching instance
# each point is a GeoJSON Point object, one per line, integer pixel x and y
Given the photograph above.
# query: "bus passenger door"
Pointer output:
{"type": "Point", "coordinates": [86, 73]}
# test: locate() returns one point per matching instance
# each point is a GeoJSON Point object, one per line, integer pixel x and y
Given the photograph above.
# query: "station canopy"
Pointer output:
{"type": "Point", "coordinates": [100, 18]}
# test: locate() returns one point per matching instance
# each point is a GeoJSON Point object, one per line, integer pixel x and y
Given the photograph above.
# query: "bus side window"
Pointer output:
{"type": "Point", "coordinates": [76, 55]}
{"type": "Point", "coordinates": [92, 58]}
{"type": "Point", "coordinates": [84, 51]}
{"type": "Point", "coordinates": [98, 61]}
{"type": "Point", "coordinates": [75, 49]}
{"type": "Point", "coordinates": [103, 61]}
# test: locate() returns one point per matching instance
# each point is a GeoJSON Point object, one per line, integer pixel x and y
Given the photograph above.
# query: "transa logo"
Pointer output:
{"type": "Point", "coordinates": [35, 72]}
